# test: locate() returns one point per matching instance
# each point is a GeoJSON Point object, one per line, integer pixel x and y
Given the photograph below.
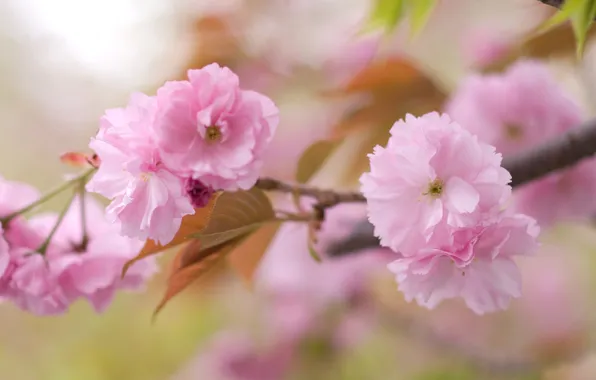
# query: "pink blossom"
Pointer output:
{"type": "Point", "coordinates": [431, 177]}
{"type": "Point", "coordinates": [92, 268]}
{"type": "Point", "coordinates": [212, 130]}
{"type": "Point", "coordinates": [513, 110]}
{"type": "Point", "coordinates": [477, 266]}
{"type": "Point", "coordinates": [148, 201]}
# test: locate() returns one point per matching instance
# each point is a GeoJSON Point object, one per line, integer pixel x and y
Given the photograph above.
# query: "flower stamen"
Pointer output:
{"type": "Point", "coordinates": [435, 188]}
{"type": "Point", "coordinates": [212, 134]}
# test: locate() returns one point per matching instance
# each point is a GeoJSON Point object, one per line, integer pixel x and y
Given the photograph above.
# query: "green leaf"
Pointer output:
{"type": "Point", "coordinates": [313, 159]}
{"type": "Point", "coordinates": [580, 13]}
{"type": "Point", "coordinates": [420, 11]}
{"type": "Point", "coordinates": [386, 14]}
{"type": "Point", "coordinates": [581, 20]}
{"type": "Point", "coordinates": [236, 214]}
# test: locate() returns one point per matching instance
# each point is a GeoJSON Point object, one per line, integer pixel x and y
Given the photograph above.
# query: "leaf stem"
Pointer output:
{"type": "Point", "coordinates": [44, 246]}
{"type": "Point", "coordinates": [84, 235]}
{"type": "Point", "coordinates": [49, 195]}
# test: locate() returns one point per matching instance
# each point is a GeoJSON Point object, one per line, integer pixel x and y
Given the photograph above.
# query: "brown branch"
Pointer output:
{"type": "Point", "coordinates": [325, 198]}
{"type": "Point", "coordinates": [553, 3]}
{"type": "Point", "coordinates": [557, 153]}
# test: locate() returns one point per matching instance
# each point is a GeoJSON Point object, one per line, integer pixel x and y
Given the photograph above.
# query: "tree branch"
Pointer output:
{"type": "Point", "coordinates": [553, 3]}
{"type": "Point", "coordinates": [330, 197]}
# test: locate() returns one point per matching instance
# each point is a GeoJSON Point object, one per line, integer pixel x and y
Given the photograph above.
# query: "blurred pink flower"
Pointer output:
{"type": "Point", "coordinates": [27, 278]}
{"type": "Point", "coordinates": [233, 355]}
{"type": "Point", "coordinates": [517, 110]}
{"type": "Point", "coordinates": [301, 288]}
{"type": "Point", "coordinates": [148, 201]}
{"type": "Point", "coordinates": [15, 196]}
{"type": "Point", "coordinates": [211, 129]}
{"type": "Point", "coordinates": [566, 195]}
{"type": "Point", "coordinates": [553, 307]}
{"type": "Point", "coordinates": [434, 176]}
{"type": "Point", "coordinates": [92, 269]}
{"type": "Point", "coordinates": [513, 110]}
{"type": "Point", "coordinates": [477, 266]}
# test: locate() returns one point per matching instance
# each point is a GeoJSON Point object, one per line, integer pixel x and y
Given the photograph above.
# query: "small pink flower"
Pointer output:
{"type": "Point", "coordinates": [147, 199]}
{"type": "Point", "coordinates": [212, 130]}
{"type": "Point", "coordinates": [198, 193]}
{"type": "Point", "coordinates": [432, 176]}
{"type": "Point", "coordinates": [513, 110]}
{"type": "Point", "coordinates": [477, 267]}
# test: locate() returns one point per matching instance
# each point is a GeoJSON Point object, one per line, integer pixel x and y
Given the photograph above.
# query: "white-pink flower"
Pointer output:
{"type": "Point", "coordinates": [148, 200]}
{"type": "Point", "coordinates": [513, 110]}
{"type": "Point", "coordinates": [432, 176]}
{"type": "Point", "coordinates": [477, 266]}
{"type": "Point", "coordinates": [209, 129]}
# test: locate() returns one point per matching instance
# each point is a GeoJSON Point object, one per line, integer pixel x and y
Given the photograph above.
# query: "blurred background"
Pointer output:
{"type": "Point", "coordinates": [63, 62]}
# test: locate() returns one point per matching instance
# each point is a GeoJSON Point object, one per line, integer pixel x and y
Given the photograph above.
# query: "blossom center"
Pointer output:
{"type": "Point", "coordinates": [212, 134]}
{"type": "Point", "coordinates": [435, 188]}
{"type": "Point", "coordinates": [513, 132]}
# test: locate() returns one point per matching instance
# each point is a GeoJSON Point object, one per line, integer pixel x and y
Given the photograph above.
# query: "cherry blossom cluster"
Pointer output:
{"type": "Point", "coordinates": [50, 260]}
{"type": "Point", "coordinates": [163, 156]}
{"type": "Point", "coordinates": [436, 195]}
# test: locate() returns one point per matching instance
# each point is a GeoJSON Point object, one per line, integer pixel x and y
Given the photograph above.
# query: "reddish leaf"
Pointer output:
{"type": "Point", "coordinates": [245, 259]}
{"type": "Point", "coordinates": [236, 214]}
{"type": "Point", "coordinates": [75, 159]}
{"type": "Point", "coordinates": [191, 224]}
{"type": "Point", "coordinates": [191, 263]}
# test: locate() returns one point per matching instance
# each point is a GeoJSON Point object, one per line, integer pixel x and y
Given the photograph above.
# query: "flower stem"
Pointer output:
{"type": "Point", "coordinates": [51, 194]}
{"type": "Point", "coordinates": [85, 237]}
{"type": "Point", "coordinates": [44, 246]}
